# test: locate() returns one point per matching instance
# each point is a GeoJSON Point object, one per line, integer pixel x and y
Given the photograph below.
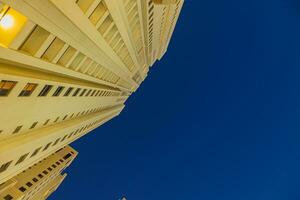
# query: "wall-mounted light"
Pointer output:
{"type": "Point", "coordinates": [7, 21]}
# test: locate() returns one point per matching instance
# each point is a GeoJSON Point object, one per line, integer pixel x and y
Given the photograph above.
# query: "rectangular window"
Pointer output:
{"type": "Point", "coordinates": [45, 172]}
{"type": "Point", "coordinates": [33, 125]}
{"type": "Point", "coordinates": [68, 91]}
{"type": "Point", "coordinates": [64, 138]}
{"type": "Point", "coordinates": [8, 197]}
{"type": "Point", "coordinates": [56, 141]}
{"type": "Point", "coordinates": [56, 119]}
{"type": "Point", "coordinates": [47, 146]}
{"type": "Point", "coordinates": [40, 176]}
{"type": "Point", "coordinates": [5, 166]}
{"type": "Point", "coordinates": [45, 90]}
{"type": "Point", "coordinates": [35, 180]}
{"type": "Point", "coordinates": [88, 93]}
{"type": "Point", "coordinates": [29, 184]}
{"type": "Point", "coordinates": [65, 117]}
{"type": "Point", "coordinates": [22, 189]}
{"type": "Point", "coordinates": [22, 158]}
{"type": "Point", "coordinates": [17, 129]}
{"type": "Point", "coordinates": [50, 169]}
{"type": "Point", "coordinates": [54, 166]}
{"type": "Point", "coordinates": [6, 87]}
{"type": "Point", "coordinates": [46, 122]}
{"type": "Point", "coordinates": [67, 156]}
{"type": "Point", "coordinates": [58, 163]}
{"type": "Point", "coordinates": [82, 93]}
{"type": "Point", "coordinates": [28, 90]}
{"type": "Point", "coordinates": [76, 92]}
{"type": "Point", "coordinates": [58, 91]}
{"type": "Point", "coordinates": [36, 151]}
{"type": "Point", "coordinates": [93, 93]}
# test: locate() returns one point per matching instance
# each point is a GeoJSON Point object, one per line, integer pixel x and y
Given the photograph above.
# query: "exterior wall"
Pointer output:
{"type": "Point", "coordinates": [41, 179]}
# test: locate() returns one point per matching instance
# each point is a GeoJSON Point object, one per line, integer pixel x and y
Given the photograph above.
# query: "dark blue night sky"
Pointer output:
{"type": "Point", "coordinates": [218, 118]}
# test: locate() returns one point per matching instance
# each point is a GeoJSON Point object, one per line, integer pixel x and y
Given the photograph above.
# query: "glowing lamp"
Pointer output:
{"type": "Point", "coordinates": [7, 21]}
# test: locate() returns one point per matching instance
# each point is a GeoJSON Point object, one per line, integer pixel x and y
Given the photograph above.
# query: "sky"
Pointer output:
{"type": "Point", "coordinates": [216, 119]}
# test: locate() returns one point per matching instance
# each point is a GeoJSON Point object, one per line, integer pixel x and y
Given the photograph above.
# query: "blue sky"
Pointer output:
{"type": "Point", "coordinates": [216, 119]}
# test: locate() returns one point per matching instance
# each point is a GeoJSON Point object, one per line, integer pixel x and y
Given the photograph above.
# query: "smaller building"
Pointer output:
{"type": "Point", "coordinates": [40, 180]}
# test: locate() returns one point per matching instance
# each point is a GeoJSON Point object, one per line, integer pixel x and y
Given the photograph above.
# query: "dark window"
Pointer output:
{"type": "Point", "coordinates": [56, 119]}
{"type": "Point", "coordinates": [65, 117]}
{"type": "Point", "coordinates": [45, 90]}
{"type": "Point", "coordinates": [58, 91]}
{"type": "Point", "coordinates": [58, 163]}
{"type": "Point", "coordinates": [68, 91]}
{"type": "Point", "coordinates": [67, 156]}
{"type": "Point", "coordinates": [61, 160]}
{"type": "Point", "coordinates": [76, 92]}
{"type": "Point", "coordinates": [22, 189]}
{"type": "Point", "coordinates": [54, 166]}
{"type": "Point", "coordinates": [45, 172]}
{"type": "Point", "coordinates": [36, 151]}
{"type": "Point", "coordinates": [6, 87]}
{"type": "Point", "coordinates": [47, 146]}
{"type": "Point", "coordinates": [46, 122]}
{"type": "Point", "coordinates": [5, 166]}
{"type": "Point", "coordinates": [22, 158]}
{"type": "Point", "coordinates": [40, 176]}
{"type": "Point", "coordinates": [56, 141]}
{"type": "Point", "coordinates": [29, 184]}
{"type": "Point", "coordinates": [17, 129]}
{"type": "Point", "coordinates": [28, 89]}
{"type": "Point", "coordinates": [35, 180]}
{"type": "Point", "coordinates": [33, 125]}
{"type": "Point", "coordinates": [88, 93]}
{"type": "Point", "coordinates": [8, 197]}
{"type": "Point", "coordinates": [64, 138]}
{"type": "Point", "coordinates": [93, 93]}
{"type": "Point", "coordinates": [82, 93]}
{"type": "Point", "coordinates": [50, 169]}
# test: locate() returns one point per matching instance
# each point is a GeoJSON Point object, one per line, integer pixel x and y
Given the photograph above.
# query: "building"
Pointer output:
{"type": "Point", "coordinates": [67, 67]}
{"type": "Point", "coordinates": [40, 180]}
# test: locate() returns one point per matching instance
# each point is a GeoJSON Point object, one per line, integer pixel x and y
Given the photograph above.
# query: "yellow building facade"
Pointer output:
{"type": "Point", "coordinates": [68, 66]}
{"type": "Point", "coordinates": [40, 180]}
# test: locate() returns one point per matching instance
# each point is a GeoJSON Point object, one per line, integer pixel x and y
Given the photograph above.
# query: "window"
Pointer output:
{"type": "Point", "coordinates": [28, 90]}
{"type": "Point", "coordinates": [64, 138]}
{"type": "Point", "coordinates": [56, 141]}
{"type": "Point", "coordinates": [8, 197]}
{"type": "Point", "coordinates": [40, 176]}
{"type": "Point", "coordinates": [33, 125]}
{"type": "Point", "coordinates": [93, 93]}
{"type": "Point", "coordinates": [58, 91]}
{"type": "Point", "coordinates": [29, 184]}
{"type": "Point", "coordinates": [46, 122]}
{"type": "Point", "coordinates": [76, 92]}
{"type": "Point", "coordinates": [67, 156]}
{"type": "Point", "coordinates": [88, 93]}
{"type": "Point", "coordinates": [54, 166]}
{"type": "Point", "coordinates": [35, 180]}
{"type": "Point", "coordinates": [49, 168]}
{"type": "Point", "coordinates": [65, 117]}
{"type": "Point", "coordinates": [22, 189]}
{"type": "Point", "coordinates": [82, 93]}
{"type": "Point", "coordinates": [56, 119]}
{"type": "Point", "coordinates": [45, 172]}
{"type": "Point", "coordinates": [6, 87]}
{"type": "Point", "coordinates": [22, 158]}
{"type": "Point", "coordinates": [5, 166]}
{"type": "Point", "coordinates": [47, 146]}
{"type": "Point", "coordinates": [17, 129]}
{"type": "Point", "coordinates": [61, 160]}
{"type": "Point", "coordinates": [58, 163]}
{"type": "Point", "coordinates": [36, 151]}
{"type": "Point", "coordinates": [45, 90]}
{"type": "Point", "coordinates": [68, 91]}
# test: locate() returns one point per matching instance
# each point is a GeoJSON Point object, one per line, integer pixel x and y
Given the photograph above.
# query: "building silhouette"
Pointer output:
{"type": "Point", "coordinates": [66, 68]}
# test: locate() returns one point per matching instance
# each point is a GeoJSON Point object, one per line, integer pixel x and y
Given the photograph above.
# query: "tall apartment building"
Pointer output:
{"type": "Point", "coordinates": [40, 180]}
{"type": "Point", "coordinates": [68, 66]}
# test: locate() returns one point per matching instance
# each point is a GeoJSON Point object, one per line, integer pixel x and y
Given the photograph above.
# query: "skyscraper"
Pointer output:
{"type": "Point", "coordinates": [67, 67]}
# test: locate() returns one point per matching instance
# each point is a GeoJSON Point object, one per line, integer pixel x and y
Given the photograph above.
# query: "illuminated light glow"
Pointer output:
{"type": "Point", "coordinates": [7, 22]}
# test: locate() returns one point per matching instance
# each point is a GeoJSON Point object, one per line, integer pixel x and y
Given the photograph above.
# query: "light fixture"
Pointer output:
{"type": "Point", "coordinates": [7, 21]}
